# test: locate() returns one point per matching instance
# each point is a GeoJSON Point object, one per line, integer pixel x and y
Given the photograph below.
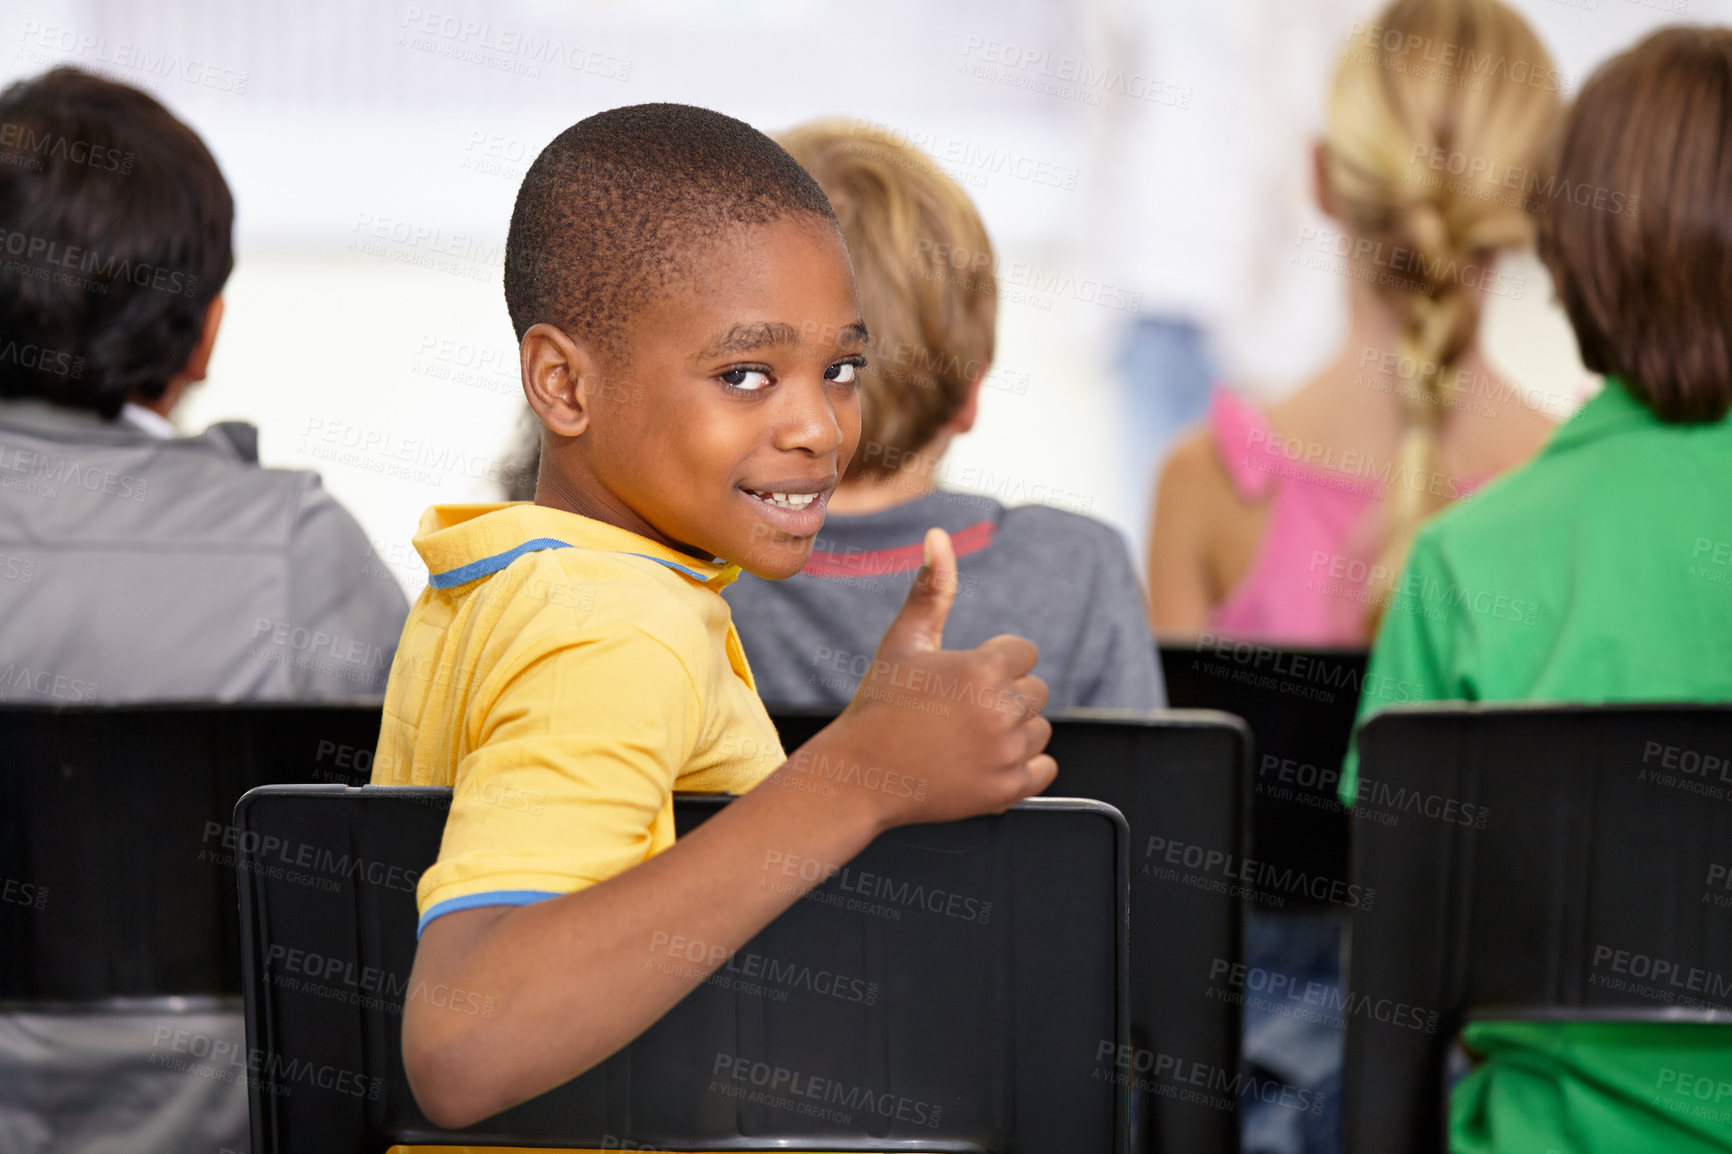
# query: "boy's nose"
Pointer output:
{"type": "Point", "coordinates": [806, 419]}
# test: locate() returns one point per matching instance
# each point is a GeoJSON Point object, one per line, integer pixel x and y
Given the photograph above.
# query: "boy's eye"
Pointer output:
{"type": "Point", "coordinates": [843, 372]}
{"type": "Point", "coordinates": [746, 380]}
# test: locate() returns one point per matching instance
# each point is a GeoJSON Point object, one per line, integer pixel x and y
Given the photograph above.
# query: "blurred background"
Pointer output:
{"type": "Point", "coordinates": [1144, 169]}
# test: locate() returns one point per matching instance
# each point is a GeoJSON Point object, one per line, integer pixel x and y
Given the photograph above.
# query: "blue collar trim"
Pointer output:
{"type": "Point", "coordinates": [488, 566]}
{"type": "Point", "coordinates": [692, 573]}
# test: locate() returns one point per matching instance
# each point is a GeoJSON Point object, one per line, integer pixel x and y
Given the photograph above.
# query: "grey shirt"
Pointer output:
{"type": "Point", "coordinates": [134, 568]}
{"type": "Point", "coordinates": [1064, 581]}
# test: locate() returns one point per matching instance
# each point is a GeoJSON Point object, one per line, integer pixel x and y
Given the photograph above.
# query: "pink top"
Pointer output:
{"type": "Point", "coordinates": [1309, 582]}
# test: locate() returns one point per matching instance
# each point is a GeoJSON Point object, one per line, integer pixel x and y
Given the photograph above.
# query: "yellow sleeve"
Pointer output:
{"type": "Point", "coordinates": [575, 747]}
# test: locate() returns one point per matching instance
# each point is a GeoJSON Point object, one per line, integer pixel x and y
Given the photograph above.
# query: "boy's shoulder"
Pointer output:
{"type": "Point", "coordinates": [1049, 529]}
{"type": "Point", "coordinates": [575, 594]}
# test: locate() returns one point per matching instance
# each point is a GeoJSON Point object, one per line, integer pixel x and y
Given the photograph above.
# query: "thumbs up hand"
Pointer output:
{"type": "Point", "coordinates": [962, 727]}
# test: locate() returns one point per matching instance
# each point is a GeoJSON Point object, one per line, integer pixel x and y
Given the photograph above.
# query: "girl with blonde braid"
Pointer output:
{"type": "Point", "coordinates": [1290, 526]}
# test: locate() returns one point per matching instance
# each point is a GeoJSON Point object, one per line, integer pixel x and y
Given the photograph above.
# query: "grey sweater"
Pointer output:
{"type": "Point", "coordinates": [136, 568]}
{"type": "Point", "coordinates": [1062, 580]}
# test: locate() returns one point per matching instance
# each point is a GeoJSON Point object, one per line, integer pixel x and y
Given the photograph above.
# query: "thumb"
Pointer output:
{"type": "Point", "coordinates": [920, 625]}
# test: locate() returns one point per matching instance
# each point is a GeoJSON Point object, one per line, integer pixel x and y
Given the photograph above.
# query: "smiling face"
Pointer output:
{"type": "Point", "coordinates": [727, 420]}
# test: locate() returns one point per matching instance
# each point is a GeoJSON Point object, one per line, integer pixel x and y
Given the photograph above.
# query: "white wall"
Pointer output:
{"type": "Point", "coordinates": [374, 149]}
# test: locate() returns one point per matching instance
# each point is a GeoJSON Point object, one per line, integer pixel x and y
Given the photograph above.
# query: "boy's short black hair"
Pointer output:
{"type": "Point", "coordinates": [608, 213]}
{"type": "Point", "coordinates": [115, 236]}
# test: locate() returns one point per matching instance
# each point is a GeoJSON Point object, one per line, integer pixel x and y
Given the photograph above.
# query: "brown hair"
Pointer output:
{"type": "Point", "coordinates": [1649, 293]}
{"type": "Point", "coordinates": [1434, 108]}
{"type": "Point", "coordinates": [924, 266]}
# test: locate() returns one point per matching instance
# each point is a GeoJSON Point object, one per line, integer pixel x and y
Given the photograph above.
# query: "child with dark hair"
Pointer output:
{"type": "Point", "coordinates": [690, 340]}
{"type": "Point", "coordinates": [160, 566]}
{"type": "Point", "coordinates": [929, 293]}
{"type": "Point", "coordinates": [1599, 572]}
{"type": "Point", "coordinates": [142, 564]}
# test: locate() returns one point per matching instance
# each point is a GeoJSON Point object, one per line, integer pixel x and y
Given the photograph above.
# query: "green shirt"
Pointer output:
{"type": "Point", "coordinates": [1593, 1086]}
{"type": "Point", "coordinates": [1599, 571]}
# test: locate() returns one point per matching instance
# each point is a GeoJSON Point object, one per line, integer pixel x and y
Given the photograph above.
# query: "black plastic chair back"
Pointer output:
{"type": "Point", "coordinates": [958, 988]}
{"type": "Point", "coordinates": [1563, 856]}
{"type": "Point", "coordinates": [1178, 779]}
{"type": "Point", "coordinates": [1300, 705]}
{"type": "Point", "coordinates": [116, 843]}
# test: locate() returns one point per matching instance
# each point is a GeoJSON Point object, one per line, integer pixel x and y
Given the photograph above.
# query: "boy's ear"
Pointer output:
{"type": "Point", "coordinates": [970, 408]}
{"type": "Point", "coordinates": [560, 376]}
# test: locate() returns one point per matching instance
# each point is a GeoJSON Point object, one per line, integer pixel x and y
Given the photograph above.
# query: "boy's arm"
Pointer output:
{"type": "Point", "coordinates": [568, 977]}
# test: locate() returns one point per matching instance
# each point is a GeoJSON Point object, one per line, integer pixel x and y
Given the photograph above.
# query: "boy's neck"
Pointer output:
{"type": "Point", "coordinates": [857, 498]}
{"type": "Point", "coordinates": [556, 492]}
{"type": "Point", "coordinates": [876, 492]}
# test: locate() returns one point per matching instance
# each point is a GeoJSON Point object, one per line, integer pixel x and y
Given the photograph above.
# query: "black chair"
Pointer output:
{"type": "Point", "coordinates": [1300, 705]}
{"type": "Point", "coordinates": [1178, 777]}
{"type": "Point", "coordinates": [1527, 858]}
{"type": "Point", "coordinates": [988, 957]}
{"type": "Point", "coordinates": [117, 820]}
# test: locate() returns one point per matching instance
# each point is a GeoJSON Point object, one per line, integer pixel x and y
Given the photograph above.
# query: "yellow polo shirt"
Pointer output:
{"type": "Point", "coordinates": [564, 677]}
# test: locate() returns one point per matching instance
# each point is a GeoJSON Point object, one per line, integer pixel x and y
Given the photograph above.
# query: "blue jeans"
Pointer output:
{"type": "Point", "coordinates": [1292, 1033]}
{"type": "Point", "coordinates": [1164, 374]}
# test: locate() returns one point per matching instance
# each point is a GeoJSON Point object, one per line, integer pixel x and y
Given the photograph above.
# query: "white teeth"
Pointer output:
{"type": "Point", "coordinates": [786, 500]}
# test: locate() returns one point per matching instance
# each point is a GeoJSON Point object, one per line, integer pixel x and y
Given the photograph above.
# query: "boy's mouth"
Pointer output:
{"type": "Point", "coordinates": [793, 507]}
{"type": "Point", "coordinates": [785, 500]}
